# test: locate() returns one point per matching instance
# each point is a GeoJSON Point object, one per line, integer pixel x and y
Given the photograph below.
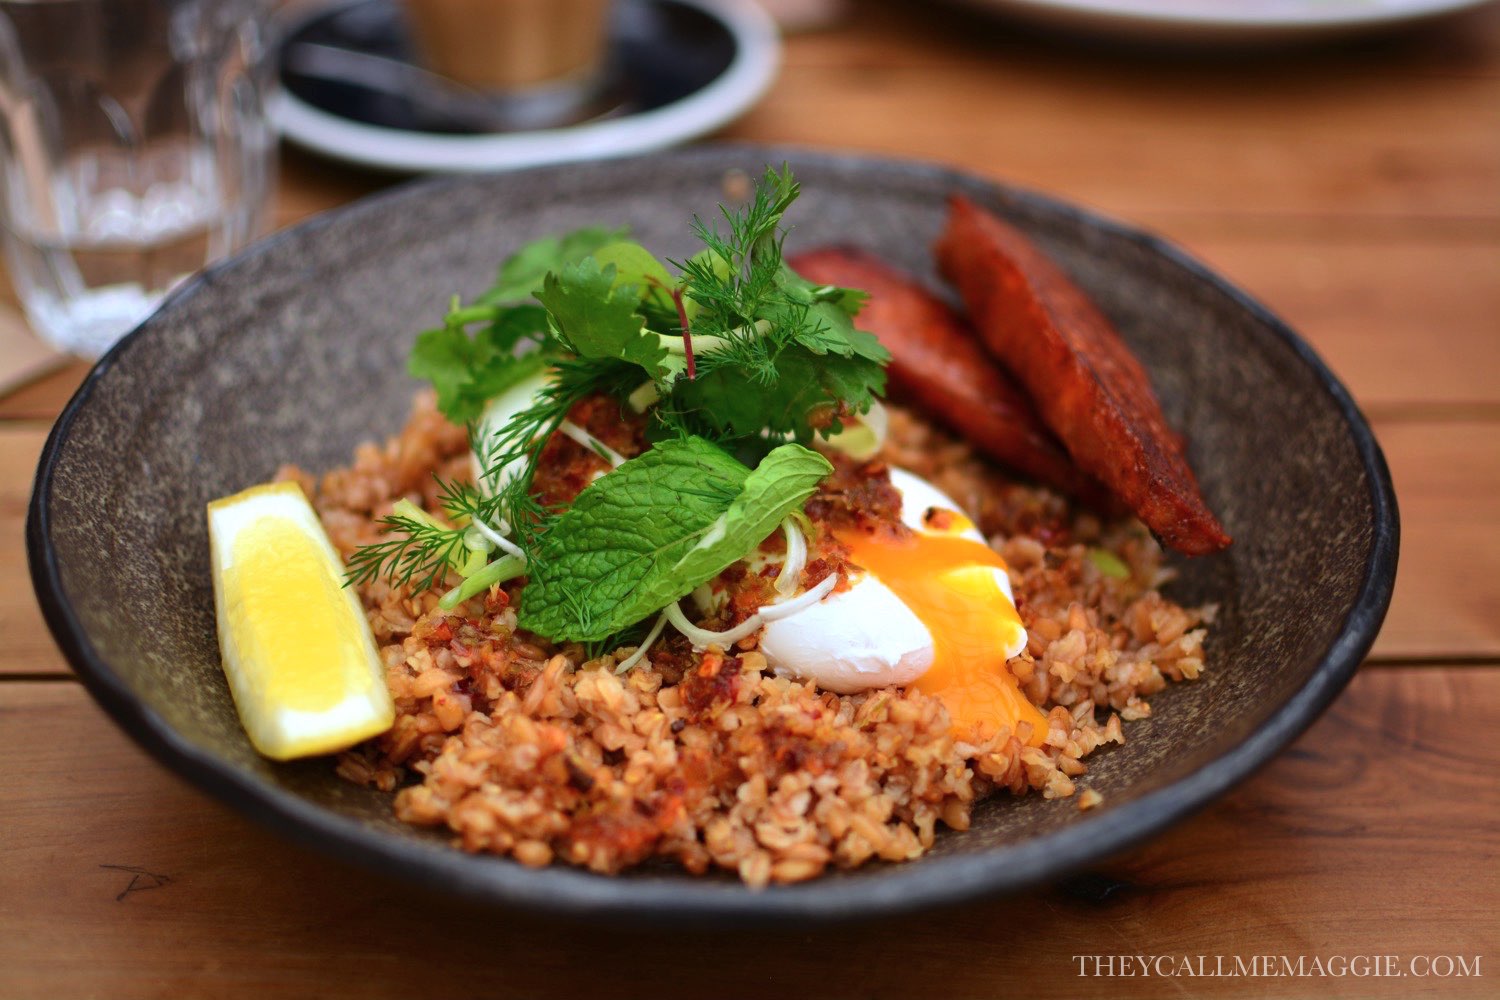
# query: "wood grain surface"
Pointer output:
{"type": "Point", "coordinates": [1354, 188]}
{"type": "Point", "coordinates": [138, 886]}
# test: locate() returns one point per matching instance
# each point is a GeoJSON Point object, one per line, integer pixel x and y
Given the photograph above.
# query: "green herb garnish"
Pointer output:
{"type": "Point", "coordinates": [1109, 564]}
{"type": "Point", "coordinates": [469, 371]}
{"type": "Point", "coordinates": [524, 270]}
{"type": "Point", "coordinates": [737, 357]}
{"type": "Point", "coordinates": [658, 526]}
{"type": "Point", "coordinates": [421, 552]}
{"type": "Point", "coordinates": [783, 352]}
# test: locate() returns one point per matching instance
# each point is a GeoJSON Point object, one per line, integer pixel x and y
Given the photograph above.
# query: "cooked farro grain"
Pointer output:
{"type": "Point", "coordinates": [519, 747]}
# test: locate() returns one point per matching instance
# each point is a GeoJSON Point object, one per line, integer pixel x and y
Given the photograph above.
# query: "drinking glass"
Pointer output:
{"type": "Point", "coordinates": [134, 149]}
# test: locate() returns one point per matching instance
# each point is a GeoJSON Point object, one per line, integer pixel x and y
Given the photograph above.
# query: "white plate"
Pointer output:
{"type": "Point", "coordinates": [748, 75]}
{"type": "Point", "coordinates": [1226, 20]}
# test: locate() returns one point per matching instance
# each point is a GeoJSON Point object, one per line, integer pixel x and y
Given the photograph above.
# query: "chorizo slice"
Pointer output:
{"type": "Point", "coordinates": [937, 364]}
{"type": "Point", "coordinates": [1090, 390]}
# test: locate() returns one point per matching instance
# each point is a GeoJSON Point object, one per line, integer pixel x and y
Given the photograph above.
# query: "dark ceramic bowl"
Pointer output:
{"type": "Point", "coordinates": [294, 352]}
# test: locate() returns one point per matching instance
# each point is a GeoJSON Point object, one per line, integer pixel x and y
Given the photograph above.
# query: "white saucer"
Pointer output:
{"type": "Point", "coordinates": [747, 40]}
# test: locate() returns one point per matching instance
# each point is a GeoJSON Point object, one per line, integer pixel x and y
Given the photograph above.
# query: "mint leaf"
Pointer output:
{"type": "Point", "coordinates": [522, 271]}
{"type": "Point", "coordinates": [655, 528]}
{"type": "Point", "coordinates": [780, 484]}
{"type": "Point", "coordinates": [632, 524]}
{"type": "Point", "coordinates": [468, 370]}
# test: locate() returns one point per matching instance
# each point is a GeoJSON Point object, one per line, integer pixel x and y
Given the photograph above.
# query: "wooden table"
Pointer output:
{"type": "Point", "coordinates": [1356, 190]}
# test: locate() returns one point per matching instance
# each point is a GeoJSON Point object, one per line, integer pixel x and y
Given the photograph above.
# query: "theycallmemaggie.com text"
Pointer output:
{"type": "Point", "coordinates": [1282, 966]}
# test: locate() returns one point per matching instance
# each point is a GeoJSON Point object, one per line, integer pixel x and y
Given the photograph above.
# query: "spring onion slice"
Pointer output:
{"type": "Point", "coordinates": [702, 638]}
{"type": "Point", "coordinates": [498, 540]}
{"type": "Point", "coordinates": [593, 444]}
{"type": "Point", "coordinates": [645, 646]}
{"type": "Point", "coordinates": [796, 559]}
{"type": "Point", "coordinates": [1109, 564]}
{"type": "Point", "coordinates": [702, 343]}
{"type": "Point", "coordinates": [474, 563]}
{"type": "Point", "coordinates": [645, 396]}
{"type": "Point", "coordinates": [863, 436]}
{"type": "Point", "coordinates": [778, 611]}
{"type": "Point", "coordinates": [502, 569]}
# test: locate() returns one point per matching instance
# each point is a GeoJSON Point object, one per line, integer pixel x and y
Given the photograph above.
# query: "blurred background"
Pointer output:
{"type": "Point", "coordinates": [1340, 130]}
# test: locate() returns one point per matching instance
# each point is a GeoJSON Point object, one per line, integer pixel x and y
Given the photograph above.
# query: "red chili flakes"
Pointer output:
{"type": "Point", "coordinates": [611, 422]}
{"type": "Point", "coordinates": [496, 601]}
{"type": "Point", "coordinates": [857, 495]}
{"type": "Point", "coordinates": [795, 751]}
{"type": "Point", "coordinates": [939, 518]}
{"type": "Point", "coordinates": [613, 837]}
{"type": "Point", "coordinates": [711, 686]}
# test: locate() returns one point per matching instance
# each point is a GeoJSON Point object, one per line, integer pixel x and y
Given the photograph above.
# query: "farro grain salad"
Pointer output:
{"type": "Point", "coordinates": [655, 569]}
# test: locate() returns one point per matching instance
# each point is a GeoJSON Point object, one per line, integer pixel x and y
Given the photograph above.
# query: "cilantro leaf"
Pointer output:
{"type": "Point", "coordinates": [594, 317]}
{"type": "Point", "coordinates": [523, 270]}
{"type": "Point", "coordinates": [822, 317]}
{"type": "Point", "coordinates": [783, 351]}
{"type": "Point", "coordinates": [655, 528]}
{"type": "Point", "coordinates": [736, 401]}
{"type": "Point", "coordinates": [637, 266]}
{"type": "Point", "coordinates": [467, 371]}
{"type": "Point", "coordinates": [850, 300]}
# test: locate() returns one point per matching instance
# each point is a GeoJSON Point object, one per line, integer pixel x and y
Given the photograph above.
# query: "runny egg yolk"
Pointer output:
{"type": "Point", "coordinates": [949, 583]}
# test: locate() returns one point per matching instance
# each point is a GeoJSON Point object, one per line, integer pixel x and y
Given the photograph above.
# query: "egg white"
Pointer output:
{"type": "Point", "coordinates": [861, 638]}
{"type": "Point", "coordinates": [867, 637]}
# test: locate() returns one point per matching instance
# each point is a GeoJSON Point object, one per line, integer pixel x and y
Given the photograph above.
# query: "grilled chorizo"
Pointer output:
{"type": "Point", "coordinates": [1087, 385]}
{"type": "Point", "coordinates": [937, 364]}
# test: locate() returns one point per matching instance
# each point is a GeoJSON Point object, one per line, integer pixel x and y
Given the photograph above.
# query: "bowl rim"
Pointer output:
{"type": "Point", "coordinates": [563, 890]}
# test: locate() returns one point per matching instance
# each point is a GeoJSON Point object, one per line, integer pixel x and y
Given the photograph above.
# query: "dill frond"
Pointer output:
{"type": "Point", "coordinates": [421, 555]}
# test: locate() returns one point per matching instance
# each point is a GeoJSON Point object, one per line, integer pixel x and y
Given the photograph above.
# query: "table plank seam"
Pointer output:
{"type": "Point", "coordinates": [1464, 660]}
{"type": "Point", "coordinates": [1421, 411]}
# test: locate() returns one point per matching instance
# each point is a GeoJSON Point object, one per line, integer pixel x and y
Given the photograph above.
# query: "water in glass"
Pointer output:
{"type": "Point", "coordinates": [135, 150]}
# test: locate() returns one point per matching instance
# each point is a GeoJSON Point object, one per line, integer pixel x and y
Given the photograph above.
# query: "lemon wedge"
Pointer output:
{"type": "Point", "coordinates": [297, 648]}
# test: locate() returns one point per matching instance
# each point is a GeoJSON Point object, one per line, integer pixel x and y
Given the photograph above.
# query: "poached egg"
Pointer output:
{"type": "Point", "coordinates": [933, 611]}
